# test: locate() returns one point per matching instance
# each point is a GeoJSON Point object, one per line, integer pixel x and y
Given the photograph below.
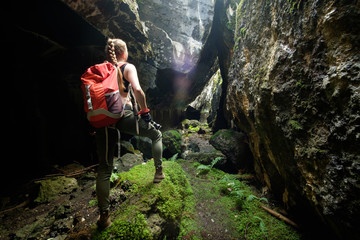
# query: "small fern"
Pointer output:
{"type": "Point", "coordinates": [173, 158]}
{"type": "Point", "coordinates": [240, 197]}
{"type": "Point", "coordinates": [262, 225]}
{"type": "Point", "coordinates": [252, 197]}
{"type": "Point", "coordinates": [204, 169]}
{"type": "Point", "coordinates": [114, 180]}
{"type": "Point", "coordinates": [114, 177]}
{"type": "Point", "coordinates": [215, 161]}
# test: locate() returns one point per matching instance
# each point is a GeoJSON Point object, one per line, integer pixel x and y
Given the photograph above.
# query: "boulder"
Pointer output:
{"type": "Point", "coordinates": [233, 145]}
{"type": "Point", "coordinates": [155, 211]}
{"type": "Point", "coordinates": [50, 189]}
{"type": "Point", "coordinates": [144, 145]}
{"type": "Point", "coordinates": [189, 123]}
{"type": "Point", "coordinates": [127, 161]}
{"type": "Point", "coordinates": [172, 143]}
{"type": "Point", "coordinates": [126, 147]}
{"type": "Point", "coordinates": [206, 158]}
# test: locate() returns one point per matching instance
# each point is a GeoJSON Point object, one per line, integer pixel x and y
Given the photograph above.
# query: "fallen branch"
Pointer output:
{"type": "Point", "coordinates": [23, 204]}
{"type": "Point", "coordinates": [72, 174]}
{"type": "Point", "coordinates": [81, 171]}
{"type": "Point", "coordinates": [279, 216]}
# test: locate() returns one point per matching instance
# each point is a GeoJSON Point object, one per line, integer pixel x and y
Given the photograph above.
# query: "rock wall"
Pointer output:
{"type": "Point", "coordinates": [177, 30]}
{"type": "Point", "coordinates": [294, 89]}
{"type": "Point", "coordinates": [204, 107]}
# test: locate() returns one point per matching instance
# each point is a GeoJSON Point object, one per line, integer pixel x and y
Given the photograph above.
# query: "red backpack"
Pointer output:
{"type": "Point", "coordinates": [102, 101]}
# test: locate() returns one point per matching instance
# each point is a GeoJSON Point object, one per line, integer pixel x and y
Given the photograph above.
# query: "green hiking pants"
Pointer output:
{"type": "Point", "coordinates": [106, 139]}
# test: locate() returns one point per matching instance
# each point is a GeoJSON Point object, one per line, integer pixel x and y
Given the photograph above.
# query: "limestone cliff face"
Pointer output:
{"type": "Point", "coordinates": [177, 30]}
{"type": "Point", "coordinates": [205, 105]}
{"type": "Point", "coordinates": [294, 89]}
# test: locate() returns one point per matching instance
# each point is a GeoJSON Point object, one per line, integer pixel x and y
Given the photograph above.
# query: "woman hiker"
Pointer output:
{"type": "Point", "coordinates": [117, 53]}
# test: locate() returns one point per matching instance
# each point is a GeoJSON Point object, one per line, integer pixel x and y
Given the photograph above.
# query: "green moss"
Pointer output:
{"type": "Point", "coordinates": [294, 4]}
{"type": "Point", "coordinates": [194, 129]}
{"type": "Point", "coordinates": [227, 134]}
{"type": "Point", "coordinates": [168, 196]}
{"type": "Point", "coordinates": [240, 12]}
{"type": "Point", "coordinates": [175, 134]}
{"type": "Point", "coordinates": [295, 124]}
{"type": "Point", "coordinates": [172, 142]}
{"type": "Point", "coordinates": [217, 81]}
{"type": "Point", "coordinates": [172, 203]}
{"type": "Point", "coordinates": [50, 189]}
{"type": "Point", "coordinates": [243, 33]}
{"type": "Point", "coordinates": [93, 203]}
{"type": "Point", "coordinates": [205, 158]}
{"type": "Point", "coordinates": [171, 199]}
{"type": "Point", "coordinates": [135, 228]}
{"type": "Point", "coordinates": [241, 206]}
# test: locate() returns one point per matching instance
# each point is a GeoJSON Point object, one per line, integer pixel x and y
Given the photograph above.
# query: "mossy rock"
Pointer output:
{"type": "Point", "coordinates": [207, 158]}
{"type": "Point", "coordinates": [233, 145]}
{"type": "Point", "coordinates": [192, 125]}
{"type": "Point", "coordinates": [172, 142]}
{"type": "Point", "coordinates": [152, 211]}
{"type": "Point", "coordinates": [50, 189]}
{"type": "Point", "coordinates": [187, 123]}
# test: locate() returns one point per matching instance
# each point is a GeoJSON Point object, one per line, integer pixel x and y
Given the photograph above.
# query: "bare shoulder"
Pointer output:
{"type": "Point", "coordinates": [130, 72]}
{"type": "Point", "coordinates": [130, 67]}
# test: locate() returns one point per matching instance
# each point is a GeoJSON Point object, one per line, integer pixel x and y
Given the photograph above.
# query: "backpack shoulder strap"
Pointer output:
{"type": "Point", "coordinates": [123, 68]}
{"type": "Point", "coordinates": [125, 81]}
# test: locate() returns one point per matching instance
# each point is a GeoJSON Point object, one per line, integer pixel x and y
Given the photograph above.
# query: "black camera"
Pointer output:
{"type": "Point", "coordinates": [156, 125]}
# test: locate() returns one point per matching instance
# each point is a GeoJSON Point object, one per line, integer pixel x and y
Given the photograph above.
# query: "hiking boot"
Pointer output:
{"type": "Point", "coordinates": [104, 221]}
{"type": "Point", "coordinates": [159, 175]}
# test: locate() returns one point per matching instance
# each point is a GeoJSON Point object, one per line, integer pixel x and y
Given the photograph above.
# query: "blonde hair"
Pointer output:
{"type": "Point", "coordinates": [114, 49]}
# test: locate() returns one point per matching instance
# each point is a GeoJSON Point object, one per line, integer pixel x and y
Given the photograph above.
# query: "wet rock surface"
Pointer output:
{"type": "Point", "coordinates": [234, 146]}
{"type": "Point", "coordinates": [49, 189]}
{"type": "Point", "coordinates": [172, 142]}
{"type": "Point", "coordinates": [293, 89]}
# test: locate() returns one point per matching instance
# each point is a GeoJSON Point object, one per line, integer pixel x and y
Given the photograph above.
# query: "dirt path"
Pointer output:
{"type": "Point", "coordinates": [211, 208]}
{"type": "Point", "coordinates": [211, 212]}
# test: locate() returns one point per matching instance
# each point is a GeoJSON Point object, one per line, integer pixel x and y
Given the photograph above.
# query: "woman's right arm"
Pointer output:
{"type": "Point", "coordinates": [131, 75]}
